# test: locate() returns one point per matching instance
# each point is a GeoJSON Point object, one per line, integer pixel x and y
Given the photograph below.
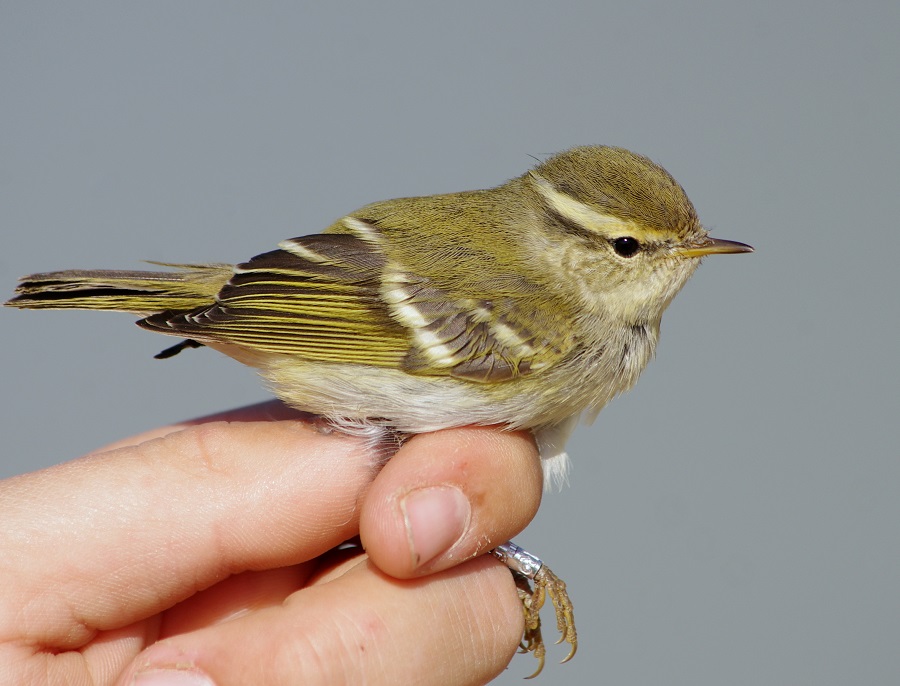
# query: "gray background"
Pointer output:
{"type": "Point", "coordinates": [735, 518]}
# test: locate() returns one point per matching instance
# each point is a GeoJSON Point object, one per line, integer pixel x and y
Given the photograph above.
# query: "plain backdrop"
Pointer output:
{"type": "Point", "coordinates": [733, 520]}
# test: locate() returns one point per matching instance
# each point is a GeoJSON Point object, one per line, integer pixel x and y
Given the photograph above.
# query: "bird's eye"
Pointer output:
{"type": "Point", "coordinates": [626, 246]}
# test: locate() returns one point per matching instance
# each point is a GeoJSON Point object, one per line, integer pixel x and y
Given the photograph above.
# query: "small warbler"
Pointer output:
{"type": "Point", "coordinates": [527, 305]}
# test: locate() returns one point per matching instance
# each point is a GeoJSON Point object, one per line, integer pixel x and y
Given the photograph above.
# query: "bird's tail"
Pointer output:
{"type": "Point", "coordinates": [140, 292]}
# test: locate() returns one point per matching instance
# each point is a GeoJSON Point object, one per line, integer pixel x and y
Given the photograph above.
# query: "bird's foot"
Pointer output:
{"type": "Point", "coordinates": [535, 581]}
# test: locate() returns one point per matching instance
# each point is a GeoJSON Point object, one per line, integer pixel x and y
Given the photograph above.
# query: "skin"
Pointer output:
{"type": "Point", "coordinates": [203, 553]}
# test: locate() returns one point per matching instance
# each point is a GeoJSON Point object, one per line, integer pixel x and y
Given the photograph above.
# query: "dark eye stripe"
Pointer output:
{"type": "Point", "coordinates": [570, 226]}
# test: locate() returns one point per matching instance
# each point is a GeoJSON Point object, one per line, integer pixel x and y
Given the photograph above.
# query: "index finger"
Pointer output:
{"type": "Point", "coordinates": [112, 538]}
{"type": "Point", "coordinates": [267, 411]}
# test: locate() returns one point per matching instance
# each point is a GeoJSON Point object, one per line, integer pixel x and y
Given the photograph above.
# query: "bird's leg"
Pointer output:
{"type": "Point", "coordinates": [535, 582]}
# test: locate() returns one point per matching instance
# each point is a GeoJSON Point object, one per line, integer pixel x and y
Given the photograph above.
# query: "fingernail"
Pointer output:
{"type": "Point", "coordinates": [436, 518]}
{"type": "Point", "coordinates": [172, 677]}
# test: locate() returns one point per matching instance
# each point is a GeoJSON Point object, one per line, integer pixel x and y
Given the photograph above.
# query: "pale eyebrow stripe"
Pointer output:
{"type": "Point", "coordinates": [577, 217]}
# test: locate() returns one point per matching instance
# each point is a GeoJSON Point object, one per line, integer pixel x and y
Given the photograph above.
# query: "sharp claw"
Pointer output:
{"type": "Point", "coordinates": [539, 669]}
{"type": "Point", "coordinates": [535, 582]}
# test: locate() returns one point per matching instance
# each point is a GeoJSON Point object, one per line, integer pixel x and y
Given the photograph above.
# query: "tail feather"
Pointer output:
{"type": "Point", "coordinates": [139, 292]}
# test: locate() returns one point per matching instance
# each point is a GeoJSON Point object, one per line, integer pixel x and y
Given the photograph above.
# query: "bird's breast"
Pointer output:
{"type": "Point", "coordinates": [588, 377]}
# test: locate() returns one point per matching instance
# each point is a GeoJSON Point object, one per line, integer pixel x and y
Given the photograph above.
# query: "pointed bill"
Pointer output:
{"type": "Point", "coordinates": [713, 246]}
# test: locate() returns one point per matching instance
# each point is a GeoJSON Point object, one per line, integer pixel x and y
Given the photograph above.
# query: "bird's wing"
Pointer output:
{"type": "Point", "coordinates": [317, 297]}
{"type": "Point", "coordinates": [338, 298]}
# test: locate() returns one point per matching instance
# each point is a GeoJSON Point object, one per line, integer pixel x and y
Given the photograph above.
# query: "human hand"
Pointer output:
{"type": "Point", "coordinates": [204, 553]}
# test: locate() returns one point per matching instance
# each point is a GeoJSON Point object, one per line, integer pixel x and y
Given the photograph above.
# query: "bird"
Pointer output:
{"type": "Point", "coordinates": [528, 305]}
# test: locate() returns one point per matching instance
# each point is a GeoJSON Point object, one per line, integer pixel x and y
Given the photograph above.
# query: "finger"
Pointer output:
{"type": "Point", "coordinates": [234, 596]}
{"type": "Point", "coordinates": [122, 535]}
{"type": "Point", "coordinates": [461, 626]}
{"type": "Point", "coordinates": [447, 496]}
{"type": "Point", "coordinates": [268, 411]}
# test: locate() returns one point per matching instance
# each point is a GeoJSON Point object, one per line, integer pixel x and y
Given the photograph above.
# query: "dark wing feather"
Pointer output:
{"type": "Point", "coordinates": [335, 297]}
{"type": "Point", "coordinates": [316, 297]}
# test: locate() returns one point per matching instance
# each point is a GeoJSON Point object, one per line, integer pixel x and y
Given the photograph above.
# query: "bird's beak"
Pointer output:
{"type": "Point", "coordinates": [712, 246]}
